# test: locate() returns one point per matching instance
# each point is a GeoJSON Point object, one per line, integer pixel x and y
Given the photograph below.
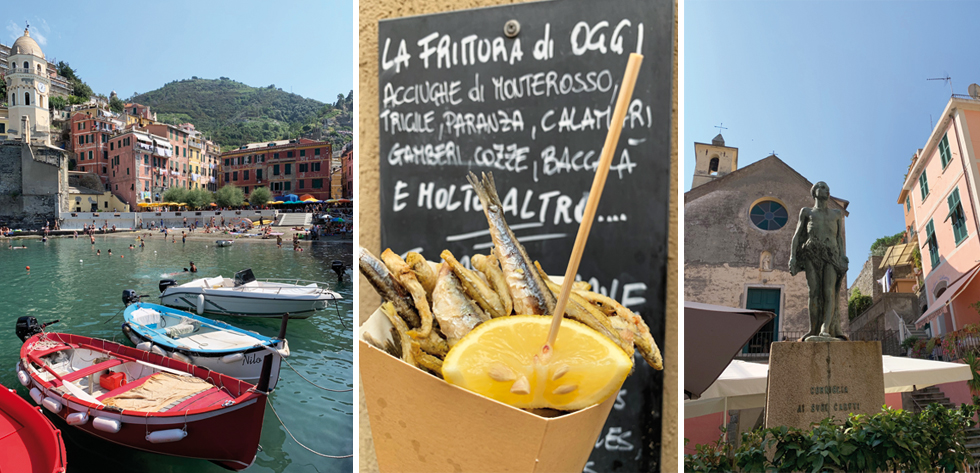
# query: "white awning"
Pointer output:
{"type": "Point", "coordinates": [949, 294]}
{"type": "Point", "coordinates": [162, 143]}
{"type": "Point", "coordinates": [743, 385]}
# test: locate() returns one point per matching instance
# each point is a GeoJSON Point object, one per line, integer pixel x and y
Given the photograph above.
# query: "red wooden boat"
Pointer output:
{"type": "Point", "coordinates": [28, 440]}
{"type": "Point", "coordinates": [143, 400]}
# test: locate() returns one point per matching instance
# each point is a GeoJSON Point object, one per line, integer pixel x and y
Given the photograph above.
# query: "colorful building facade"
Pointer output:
{"type": "Point", "coordinates": [940, 202]}
{"type": "Point", "coordinates": [347, 170]}
{"type": "Point", "coordinates": [298, 167]}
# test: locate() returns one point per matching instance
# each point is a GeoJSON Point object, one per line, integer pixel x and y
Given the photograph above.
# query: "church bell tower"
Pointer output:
{"type": "Point", "coordinates": [28, 86]}
{"type": "Point", "coordinates": [713, 161]}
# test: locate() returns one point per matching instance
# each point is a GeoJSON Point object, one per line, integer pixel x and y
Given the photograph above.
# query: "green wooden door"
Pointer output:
{"type": "Point", "coordinates": [763, 299]}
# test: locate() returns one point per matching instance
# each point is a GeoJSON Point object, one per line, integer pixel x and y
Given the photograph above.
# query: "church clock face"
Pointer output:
{"type": "Point", "coordinates": [42, 88]}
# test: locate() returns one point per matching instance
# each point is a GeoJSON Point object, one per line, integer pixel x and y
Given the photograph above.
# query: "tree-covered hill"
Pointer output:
{"type": "Point", "coordinates": [232, 113]}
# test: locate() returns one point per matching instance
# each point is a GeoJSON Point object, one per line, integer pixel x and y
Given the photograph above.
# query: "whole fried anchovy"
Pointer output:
{"type": "Point", "coordinates": [457, 314]}
{"type": "Point", "coordinates": [528, 291]}
{"type": "Point", "coordinates": [388, 288]}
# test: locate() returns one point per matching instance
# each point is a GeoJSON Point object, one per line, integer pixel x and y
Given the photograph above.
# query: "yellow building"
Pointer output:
{"type": "Point", "coordinates": [85, 194]}
{"type": "Point", "coordinates": [4, 118]}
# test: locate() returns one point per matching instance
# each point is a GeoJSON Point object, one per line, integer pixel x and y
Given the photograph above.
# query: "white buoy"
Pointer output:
{"type": "Point", "coordinates": [145, 346]}
{"type": "Point", "coordinates": [23, 377]}
{"type": "Point", "coordinates": [232, 358]}
{"type": "Point", "coordinates": [52, 404]}
{"type": "Point", "coordinates": [200, 304]}
{"type": "Point", "coordinates": [77, 418]}
{"type": "Point", "coordinates": [79, 261]}
{"type": "Point", "coordinates": [106, 424]}
{"type": "Point", "coordinates": [158, 350]}
{"type": "Point", "coordinates": [164, 436]}
{"type": "Point", "coordinates": [36, 395]}
{"type": "Point", "coordinates": [182, 357]}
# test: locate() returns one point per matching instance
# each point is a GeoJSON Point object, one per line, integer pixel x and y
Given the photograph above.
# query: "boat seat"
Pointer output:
{"type": "Point", "coordinates": [214, 283]}
{"type": "Point", "coordinates": [145, 316]}
{"type": "Point", "coordinates": [91, 370]}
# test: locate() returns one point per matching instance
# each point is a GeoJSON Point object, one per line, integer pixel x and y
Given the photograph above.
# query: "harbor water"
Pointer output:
{"type": "Point", "coordinates": [67, 281]}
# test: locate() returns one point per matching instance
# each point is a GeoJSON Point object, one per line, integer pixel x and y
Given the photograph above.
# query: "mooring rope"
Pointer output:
{"type": "Point", "coordinates": [314, 384]}
{"type": "Point", "coordinates": [269, 401]}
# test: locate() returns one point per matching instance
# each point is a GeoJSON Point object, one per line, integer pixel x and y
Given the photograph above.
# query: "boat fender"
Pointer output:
{"type": "Point", "coordinates": [77, 418]}
{"type": "Point", "coordinates": [232, 358]}
{"type": "Point", "coordinates": [145, 346]}
{"type": "Point", "coordinates": [23, 377]}
{"type": "Point", "coordinates": [164, 436]}
{"type": "Point", "coordinates": [182, 357]}
{"type": "Point", "coordinates": [36, 395]}
{"type": "Point", "coordinates": [106, 424]}
{"type": "Point", "coordinates": [200, 304]}
{"type": "Point", "coordinates": [159, 351]}
{"type": "Point", "coordinates": [52, 404]}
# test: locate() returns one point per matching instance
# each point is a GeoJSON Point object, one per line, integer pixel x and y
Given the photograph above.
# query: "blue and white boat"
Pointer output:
{"type": "Point", "coordinates": [202, 341]}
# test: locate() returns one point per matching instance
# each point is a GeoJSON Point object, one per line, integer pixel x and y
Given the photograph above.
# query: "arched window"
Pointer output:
{"type": "Point", "coordinates": [27, 98]}
{"type": "Point", "coordinates": [38, 69]}
{"type": "Point", "coordinates": [713, 166]}
{"type": "Point", "coordinates": [13, 99]}
{"type": "Point", "coordinates": [27, 66]}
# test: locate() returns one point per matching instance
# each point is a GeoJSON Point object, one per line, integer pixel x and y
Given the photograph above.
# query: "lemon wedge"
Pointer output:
{"type": "Point", "coordinates": [502, 360]}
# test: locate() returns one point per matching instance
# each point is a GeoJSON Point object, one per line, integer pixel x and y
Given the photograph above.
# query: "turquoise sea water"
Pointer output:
{"type": "Point", "coordinates": [67, 281]}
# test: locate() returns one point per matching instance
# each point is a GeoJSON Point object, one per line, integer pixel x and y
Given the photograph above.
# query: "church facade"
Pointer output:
{"type": "Point", "coordinates": [738, 229]}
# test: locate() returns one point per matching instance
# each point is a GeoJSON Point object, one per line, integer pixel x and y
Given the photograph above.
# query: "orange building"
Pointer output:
{"type": "Point", "coordinates": [298, 167]}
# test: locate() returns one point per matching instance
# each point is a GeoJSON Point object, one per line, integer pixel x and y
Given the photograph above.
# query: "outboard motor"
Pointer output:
{"type": "Point", "coordinates": [338, 267]}
{"type": "Point", "coordinates": [27, 327]}
{"type": "Point", "coordinates": [165, 283]}
{"type": "Point", "coordinates": [129, 297]}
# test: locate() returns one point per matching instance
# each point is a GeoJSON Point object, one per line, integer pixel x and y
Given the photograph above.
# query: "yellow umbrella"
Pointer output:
{"type": "Point", "coordinates": [277, 202]}
{"type": "Point", "coordinates": [311, 199]}
{"type": "Point", "coordinates": [143, 204]}
{"type": "Point", "coordinates": [182, 203]}
{"type": "Point", "coordinates": [270, 202]}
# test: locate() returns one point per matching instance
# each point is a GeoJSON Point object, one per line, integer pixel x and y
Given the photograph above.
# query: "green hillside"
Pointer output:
{"type": "Point", "coordinates": [232, 113]}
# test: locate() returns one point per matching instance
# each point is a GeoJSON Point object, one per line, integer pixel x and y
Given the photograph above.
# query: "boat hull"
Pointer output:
{"type": "Point", "coordinates": [35, 446]}
{"type": "Point", "coordinates": [227, 434]}
{"type": "Point", "coordinates": [247, 369]}
{"type": "Point", "coordinates": [242, 304]}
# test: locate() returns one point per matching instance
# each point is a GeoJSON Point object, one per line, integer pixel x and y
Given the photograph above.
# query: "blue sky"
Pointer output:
{"type": "Point", "coordinates": [837, 89]}
{"type": "Point", "coordinates": [303, 46]}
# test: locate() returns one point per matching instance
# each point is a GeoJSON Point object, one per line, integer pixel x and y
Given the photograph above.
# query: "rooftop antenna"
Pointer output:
{"type": "Point", "coordinates": [946, 79]}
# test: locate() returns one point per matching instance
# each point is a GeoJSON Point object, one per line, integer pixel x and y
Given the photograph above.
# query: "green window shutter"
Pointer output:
{"type": "Point", "coordinates": [908, 203]}
{"type": "Point", "coordinates": [933, 244]}
{"type": "Point", "coordinates": [924, 184]}
{"type": "Point", "coordinates": [944, 151]}
{"type": "Point", "coordinates": [956, 215]}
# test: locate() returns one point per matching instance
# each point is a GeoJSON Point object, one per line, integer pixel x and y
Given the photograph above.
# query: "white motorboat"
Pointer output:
{"type": "Point", "coordinates": [246, 296]}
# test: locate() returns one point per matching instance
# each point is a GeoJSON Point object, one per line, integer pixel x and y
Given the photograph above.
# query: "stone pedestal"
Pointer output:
{"type": "Point", "coordinates": [810, 381]}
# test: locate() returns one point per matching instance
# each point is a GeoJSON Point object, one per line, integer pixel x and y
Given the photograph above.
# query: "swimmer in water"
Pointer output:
{"type": "Point", "coordinates": [98, 252]}
{"type": "Point", "coordinates": [193, 268]}
{"type": "Point", "coordinates": [110, 251]}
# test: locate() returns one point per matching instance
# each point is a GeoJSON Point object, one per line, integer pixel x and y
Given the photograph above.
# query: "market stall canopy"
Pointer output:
{"type": "Point", "coordinates": [290, 198]}
{"type": "Point", "coordinates": [713, 336]}
{"type": "Point", "coordinates": [743, 385]}
{"type": "Point", "coordinates": [306, 197]}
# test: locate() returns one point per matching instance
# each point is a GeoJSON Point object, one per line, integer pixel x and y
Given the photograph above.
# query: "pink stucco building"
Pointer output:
{"type": "Point", "coordinates": [940, 201]}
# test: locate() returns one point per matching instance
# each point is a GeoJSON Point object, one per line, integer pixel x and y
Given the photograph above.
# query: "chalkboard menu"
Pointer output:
{"type": "Point", "coordinates": [527, 92]}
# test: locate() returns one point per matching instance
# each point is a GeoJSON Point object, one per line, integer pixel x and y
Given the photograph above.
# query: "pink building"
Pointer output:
{"type": "Point", "coordinates": [138, 166]}
{"type": "Point", "coordinates": [940, 200]}
{"type": "Point", "coordinates": [347, 170]}
{"type": "Point", "coordinates": [90, 132]}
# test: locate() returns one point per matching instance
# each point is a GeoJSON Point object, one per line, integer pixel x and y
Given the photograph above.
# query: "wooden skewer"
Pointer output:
{"type": "Point", "coordinates": [602, 171]}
